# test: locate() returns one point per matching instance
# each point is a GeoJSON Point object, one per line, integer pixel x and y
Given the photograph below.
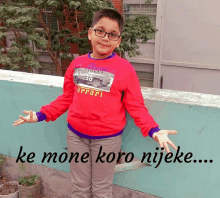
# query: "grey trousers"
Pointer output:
{"type": "Point", "coordinates": [94, 177]}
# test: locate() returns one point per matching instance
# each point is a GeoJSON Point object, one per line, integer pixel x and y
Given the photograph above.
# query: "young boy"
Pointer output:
{"type": "Point", "coordinates": [98, 87]}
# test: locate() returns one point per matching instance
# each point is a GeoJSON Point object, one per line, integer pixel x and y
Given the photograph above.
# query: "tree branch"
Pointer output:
{"type": "Point", "coordinates": [40, 18]}
{"type": "Point", "coordinates": [6, 51]}
{"type": "Point", "coordinates": [77, 23]}
{"type": "Point", "coordinates": [49, 49]}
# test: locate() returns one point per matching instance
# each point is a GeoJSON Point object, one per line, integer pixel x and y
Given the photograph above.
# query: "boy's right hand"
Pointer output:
{"type": "Point", "coordinates": [31, 118]}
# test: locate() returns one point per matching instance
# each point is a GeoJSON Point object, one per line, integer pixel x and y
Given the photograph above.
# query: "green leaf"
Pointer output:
{"type": "Point", "coordinates": [2, 35]}
{"type": "Point", "coordinates": [38, 2]}
{"type": "Point", "coordinates": [74, 4]}
{"type": "Point", "coordinates": [28, 180]}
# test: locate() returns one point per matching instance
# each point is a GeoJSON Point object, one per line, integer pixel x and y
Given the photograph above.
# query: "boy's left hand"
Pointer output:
{"type": "Point", "coordinates": [162, 138]}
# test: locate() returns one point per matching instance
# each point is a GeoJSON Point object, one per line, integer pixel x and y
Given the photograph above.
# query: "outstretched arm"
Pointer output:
{"type": "Point", "coordinates": [134, 104]}
{"type": "Point", "coordinates": [55, 108]}
{"type": "Point", "coordinates": [31, 118]}
{"type": "Point", "coordinates": [62, 102]}
{"type": "Point", "coordinates": [162, 138]}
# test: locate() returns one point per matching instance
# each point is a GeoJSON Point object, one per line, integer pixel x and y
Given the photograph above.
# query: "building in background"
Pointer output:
{"type": "Point", "coordinates": [128, 8]}
{"type": "Point", "coordinates": [45, 60]}
{"type": "Point", "coordinates": [183, 56]}
{"type": "Point", "coordinates": [144, 64]}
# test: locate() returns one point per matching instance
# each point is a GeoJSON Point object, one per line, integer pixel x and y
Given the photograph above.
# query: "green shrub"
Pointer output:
{"type": "Point", "coordinates": [28, 180]}
{"type": "Point", "coordinates": [2, 161]}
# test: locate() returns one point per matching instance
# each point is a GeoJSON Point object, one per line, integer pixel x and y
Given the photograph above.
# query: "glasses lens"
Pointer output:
{"type": "Point", "coordinates": [100, 33]}
{"type": "Point", "coordinates": [113, 37]}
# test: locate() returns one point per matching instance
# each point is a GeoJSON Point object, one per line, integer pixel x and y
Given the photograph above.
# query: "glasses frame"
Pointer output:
{"type": "Point", "coordinates": [105, 34]}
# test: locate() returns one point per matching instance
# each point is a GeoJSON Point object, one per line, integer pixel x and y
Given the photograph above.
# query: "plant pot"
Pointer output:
{"type": "Point", "coordinates": [30, 191]}
{"type": "Point", "coordinates": [12, 195]}
{"type": "Point", "coordinates": [2, 162]}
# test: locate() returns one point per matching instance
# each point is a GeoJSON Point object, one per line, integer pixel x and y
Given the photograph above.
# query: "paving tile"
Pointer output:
{"type": "Point", "coordinates": [121, 192]}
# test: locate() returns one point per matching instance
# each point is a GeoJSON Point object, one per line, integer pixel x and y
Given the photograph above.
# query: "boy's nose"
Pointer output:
{"type": "Point", "coordinates": [106, 37]}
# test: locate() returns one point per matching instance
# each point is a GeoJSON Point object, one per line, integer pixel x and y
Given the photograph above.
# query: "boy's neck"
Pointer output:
{"type": "Point", "coordinates": [99, 56]}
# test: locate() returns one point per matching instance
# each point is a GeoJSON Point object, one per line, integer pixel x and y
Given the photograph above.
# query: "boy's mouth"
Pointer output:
{"type": "Point", "coordinates": [103, 45]}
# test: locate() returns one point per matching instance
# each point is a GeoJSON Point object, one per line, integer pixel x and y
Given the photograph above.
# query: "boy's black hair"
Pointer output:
{"type": "Point", "coordinates": [111, 14]}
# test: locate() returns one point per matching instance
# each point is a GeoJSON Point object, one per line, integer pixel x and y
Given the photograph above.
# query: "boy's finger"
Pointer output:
{"type": "Point", "coordinates": [31, 115]}
{"type": "Point", "coordinates": [172, 144]}
{"type": "Point", "coordinates": [173, 132]}
{"type": "Point", "coordinates": [166, 147]}
{"type": "Point", "coordinates": [26, 112]}
{"type": "Point", "coordinates": [25, 119]}
{"type": "Point", "coordinates": [18, 123]}
{"type": "Point", "coordinates": [160, 143]}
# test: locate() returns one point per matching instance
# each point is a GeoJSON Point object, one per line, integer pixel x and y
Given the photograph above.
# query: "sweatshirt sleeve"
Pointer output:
{"type": "Point", "coordinates": [134, 103]}
{"type": "Point", "coordinates": [41, 116]}
{"type": "Point", "coordinates": [62, 102]}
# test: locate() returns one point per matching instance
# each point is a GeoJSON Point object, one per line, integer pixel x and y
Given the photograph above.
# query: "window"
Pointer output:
{"type": "Point", "coordinates": [130, 16]}
{"type": "Point", "coordinates": [132, 10]}
{"type": "Point", "coordinates": [146, 79]}
{"type": "Point", "coordinates": [46, 19]}
{"type": "Point", "coordinates": [152, 8]}
{"type": "Point", "coordinates": [10, 38]}
{"type": "Point", "coordinates": [47, 68]}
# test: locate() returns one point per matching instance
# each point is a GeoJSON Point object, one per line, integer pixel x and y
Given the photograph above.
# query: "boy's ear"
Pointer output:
{"type": "Point", "coordinates": [119, 42]}
{"type": "Point", "coordinates": [90, 33]}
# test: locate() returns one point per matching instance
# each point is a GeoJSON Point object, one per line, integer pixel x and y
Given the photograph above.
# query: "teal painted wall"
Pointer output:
{"type": "Point", "coordinates": [36, 137]}
{"type": "Point", "coordinates": [198, 132]}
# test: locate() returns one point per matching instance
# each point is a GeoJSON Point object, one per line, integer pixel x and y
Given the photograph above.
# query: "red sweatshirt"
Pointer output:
{"type": "Point", "coordinates": [97, 92]}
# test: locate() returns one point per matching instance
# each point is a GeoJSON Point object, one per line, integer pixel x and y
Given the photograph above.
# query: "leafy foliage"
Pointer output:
{"type": "Point", "coordinates": [144, 30]}
{"type": "Point", "coordinates": [18, 20]}
{"type": "Point", "coordinates": [22, 17]}
{"type": "Point", "coordinates": [28, 180]}
{"type": "Point", "coordinates": [148, 1]}
{"type": "Point", "coordinates": [2, 161]}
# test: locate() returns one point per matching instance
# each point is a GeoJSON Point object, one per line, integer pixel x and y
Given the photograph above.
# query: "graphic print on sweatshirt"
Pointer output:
{"type": "Point", "coordinates": [100, 80]}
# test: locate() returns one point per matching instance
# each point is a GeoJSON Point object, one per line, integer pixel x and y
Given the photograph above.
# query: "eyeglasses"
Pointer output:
{"type": "Point", "coordinates": [101, 33]}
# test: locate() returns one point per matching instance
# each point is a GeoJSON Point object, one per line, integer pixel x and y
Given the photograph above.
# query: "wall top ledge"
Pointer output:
{"type": "Point", "coordinates": [31, 78]}
{"type": "Point", "coordinates": [181, 97]}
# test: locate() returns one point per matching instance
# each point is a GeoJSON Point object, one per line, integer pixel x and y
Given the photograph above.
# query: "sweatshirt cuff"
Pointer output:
{"type": "Point", "coordinates": [41, 116]}
{"type": "Point", "coordinates": [152, 131]}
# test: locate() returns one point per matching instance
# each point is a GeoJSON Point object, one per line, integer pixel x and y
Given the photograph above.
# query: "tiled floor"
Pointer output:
{"type": "Point", "coordinates": [121, 192]}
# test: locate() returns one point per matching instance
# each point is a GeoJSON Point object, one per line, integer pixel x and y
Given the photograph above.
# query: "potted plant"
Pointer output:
{"type": "Point", "coordinates": [9, 189]}
{"type": "Point", "coordinates": [2, 161]}
{"type": "Point", "coordinates": [29, 186]}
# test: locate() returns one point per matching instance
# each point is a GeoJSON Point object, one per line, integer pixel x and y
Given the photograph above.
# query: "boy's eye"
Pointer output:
{"type": "Point", "coordinates": [113, 35]}
{"type": "Point", "coordinates": [100, 31]}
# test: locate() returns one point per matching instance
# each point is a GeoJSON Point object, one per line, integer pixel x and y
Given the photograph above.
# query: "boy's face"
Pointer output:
{"type": "Point", "coordinates": [103, 47]}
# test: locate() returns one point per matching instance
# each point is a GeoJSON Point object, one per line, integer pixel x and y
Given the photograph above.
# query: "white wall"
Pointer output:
{"type": "Point", "coordinates": [188, 45]}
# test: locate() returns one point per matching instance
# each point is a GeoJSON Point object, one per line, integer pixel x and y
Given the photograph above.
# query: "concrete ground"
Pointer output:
{"type": "Point", "coordinates": [57, 184]}
{"type": "Point", "coordinates": [119, 192]}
